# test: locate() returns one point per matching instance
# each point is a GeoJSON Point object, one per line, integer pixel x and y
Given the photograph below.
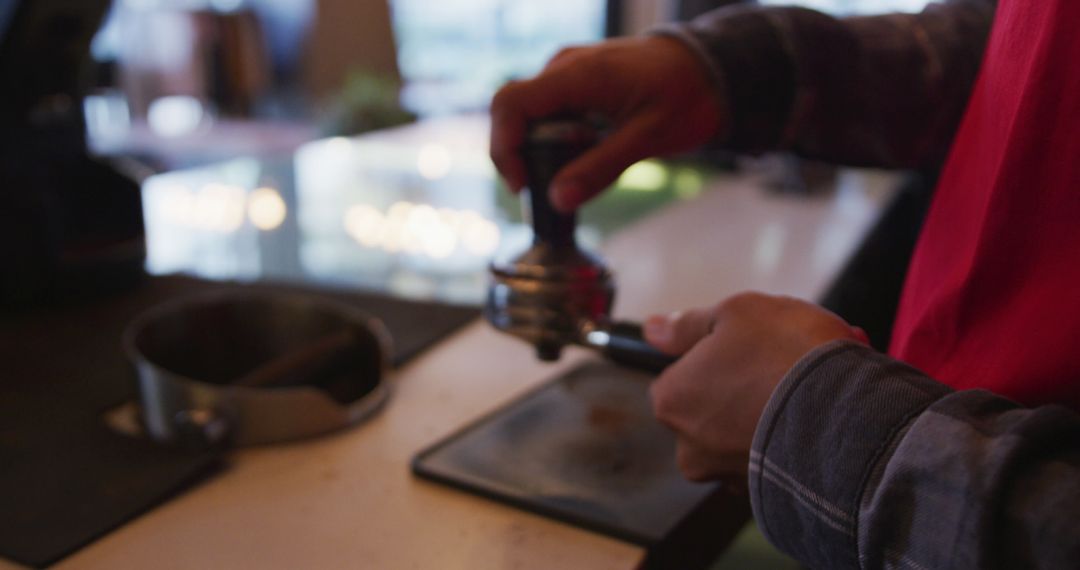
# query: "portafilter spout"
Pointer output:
{"type": "Point", "coordinates": [556, 294]}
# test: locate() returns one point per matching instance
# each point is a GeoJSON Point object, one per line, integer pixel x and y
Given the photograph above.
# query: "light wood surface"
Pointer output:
{"type": "Point", "coordinates": [349, 501]}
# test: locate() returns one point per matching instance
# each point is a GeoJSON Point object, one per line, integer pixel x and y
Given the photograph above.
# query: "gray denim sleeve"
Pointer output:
{"type": "Point", "coordinates": [884, 90]}
{"type": "Point", "coordinates": [860, 461]}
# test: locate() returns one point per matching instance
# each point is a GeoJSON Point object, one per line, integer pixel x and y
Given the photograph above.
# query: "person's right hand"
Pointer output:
{"type": "Point", "coordinates": [732, 358]}
{"type": "Point", "coordinates": [657, 95]}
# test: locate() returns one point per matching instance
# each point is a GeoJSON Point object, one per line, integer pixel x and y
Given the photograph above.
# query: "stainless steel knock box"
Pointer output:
{"type": "Point", "coordinates": [248, 368]}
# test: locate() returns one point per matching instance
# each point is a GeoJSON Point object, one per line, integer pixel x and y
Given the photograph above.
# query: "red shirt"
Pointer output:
{"type": "Point", "coordinates": [992, 299]}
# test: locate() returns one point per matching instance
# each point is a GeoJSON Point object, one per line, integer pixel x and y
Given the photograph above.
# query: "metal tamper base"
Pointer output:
{"type": "Point", "coordinates": [547, 296]}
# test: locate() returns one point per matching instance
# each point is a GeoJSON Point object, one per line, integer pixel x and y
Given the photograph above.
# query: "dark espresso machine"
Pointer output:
{"type": "Point", "coordinates": [70, 225]}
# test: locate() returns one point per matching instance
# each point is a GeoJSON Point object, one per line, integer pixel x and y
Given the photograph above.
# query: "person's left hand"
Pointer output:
{"type": "Point", "coordinates": [657, 94]}
{"type": "Point", "coordinates": [733, 356]}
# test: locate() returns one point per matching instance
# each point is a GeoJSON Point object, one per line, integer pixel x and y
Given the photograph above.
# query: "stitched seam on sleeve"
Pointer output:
{"type": "Point", "coordinates": [882, 454]}
{"type": "Point", "coordinates": [898, 558]}
{"type": "Point", "coordinates": [810, 367]}
{"type": "Point", "coordinates": [809, 500]}
{"type": "Point", "coordinates": [817, 505]}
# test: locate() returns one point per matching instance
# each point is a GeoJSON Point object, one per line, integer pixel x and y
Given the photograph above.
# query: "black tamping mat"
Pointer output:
{"type": "Point", "coordinates": [585, 449]}
{"type": "Point", "coordinates": [66, 478]}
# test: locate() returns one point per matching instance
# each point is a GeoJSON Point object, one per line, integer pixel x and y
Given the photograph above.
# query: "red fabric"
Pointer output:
{"type": "Point", "coordinates": [992, 298]}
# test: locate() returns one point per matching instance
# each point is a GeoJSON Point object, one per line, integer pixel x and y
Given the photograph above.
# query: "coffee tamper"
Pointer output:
{"type": "Point", "coordinates": [556, 294]}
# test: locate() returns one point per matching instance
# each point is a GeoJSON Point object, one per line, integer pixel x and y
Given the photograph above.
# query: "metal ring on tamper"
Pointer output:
{"type": "Point", "coordinates": [256, 367]}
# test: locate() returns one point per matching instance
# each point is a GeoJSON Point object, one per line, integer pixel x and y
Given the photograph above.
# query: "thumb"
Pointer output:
{"type": "Point", "coordinates": [678, 332]}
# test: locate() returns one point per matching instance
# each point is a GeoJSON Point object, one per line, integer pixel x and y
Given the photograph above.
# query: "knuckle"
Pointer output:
{"type": "Point", "coordinates": [740, 302]}
{"type": "Point", "coordinates": [591, 68]}
{"type": "Point", "coordinates": [500, 155]}
{"type": "Point", "coordinates": [722, 308]}
{"type": "Point", "coordinates": [507, 96]}
{"type": "Point", "coordinates": [747, 298]}
{"type": "Point", "coordinates": [687, 328]}
{"type": "Point", "coordinates": [566, 53]}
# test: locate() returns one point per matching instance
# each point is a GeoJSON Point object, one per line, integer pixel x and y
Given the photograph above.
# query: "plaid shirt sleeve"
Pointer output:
{"type": "Point", "coordinates": [860, 461]}
{"type": "Point", "coordinates": [875, 91]}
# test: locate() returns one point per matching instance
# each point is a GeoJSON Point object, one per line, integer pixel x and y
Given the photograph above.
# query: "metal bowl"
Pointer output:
{"type": "Point", "coordinates": [255, 367]}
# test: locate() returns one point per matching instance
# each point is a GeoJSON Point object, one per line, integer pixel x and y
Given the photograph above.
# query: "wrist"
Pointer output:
{"type": "Point", "coordinates": [820, 439]}
{"type": "Point", "coordinates": [699, 64]}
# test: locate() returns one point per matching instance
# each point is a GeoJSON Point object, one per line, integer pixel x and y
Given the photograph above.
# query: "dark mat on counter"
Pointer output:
{"type": "Point", "coordinates": [65, 478]}
{"type": "Point", "coordinates": [585, 449]}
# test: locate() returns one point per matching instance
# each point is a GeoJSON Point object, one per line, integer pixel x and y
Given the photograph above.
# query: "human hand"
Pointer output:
{"type": "Point", "coordinates": [733, 356]}
{"type": "Point", "coordinates": [655, 92]}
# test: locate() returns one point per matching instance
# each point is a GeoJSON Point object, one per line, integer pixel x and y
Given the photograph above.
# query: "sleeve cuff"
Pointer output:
{"type": "Point", "coordinates": [682, 34]}
{"type": "Point", "coordinates": [824, 429]}
{"type": "Point", "coordinates": [746, 49]}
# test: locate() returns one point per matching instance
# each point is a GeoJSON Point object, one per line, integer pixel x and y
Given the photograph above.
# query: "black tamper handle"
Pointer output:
{"type": "Point", "coordinates": [550, 145]}
{"type": "Point", "coordinates": [626, 345]}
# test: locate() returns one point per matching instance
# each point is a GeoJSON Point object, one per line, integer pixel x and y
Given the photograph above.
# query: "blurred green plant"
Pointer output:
{"type": "Point", "coordinates": [367, 101]}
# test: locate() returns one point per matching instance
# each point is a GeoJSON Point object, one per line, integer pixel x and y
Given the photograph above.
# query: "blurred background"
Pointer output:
{"type": "Point", "coordinates": [337, 141]}
{"type": "Point", "coordinates": [168, 68]}
{"type": "Point", "coordinates": [152, 148]}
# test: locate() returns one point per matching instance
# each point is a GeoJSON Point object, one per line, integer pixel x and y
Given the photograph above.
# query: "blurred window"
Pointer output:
{"type": "Point", "coordinates": [453, 54]}
{"type": "Point", "coordinates": [845, 7]}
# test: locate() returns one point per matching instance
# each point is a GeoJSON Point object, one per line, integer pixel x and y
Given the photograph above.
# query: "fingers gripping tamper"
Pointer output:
{"type": "Point", "coordinates": [556, 294]}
